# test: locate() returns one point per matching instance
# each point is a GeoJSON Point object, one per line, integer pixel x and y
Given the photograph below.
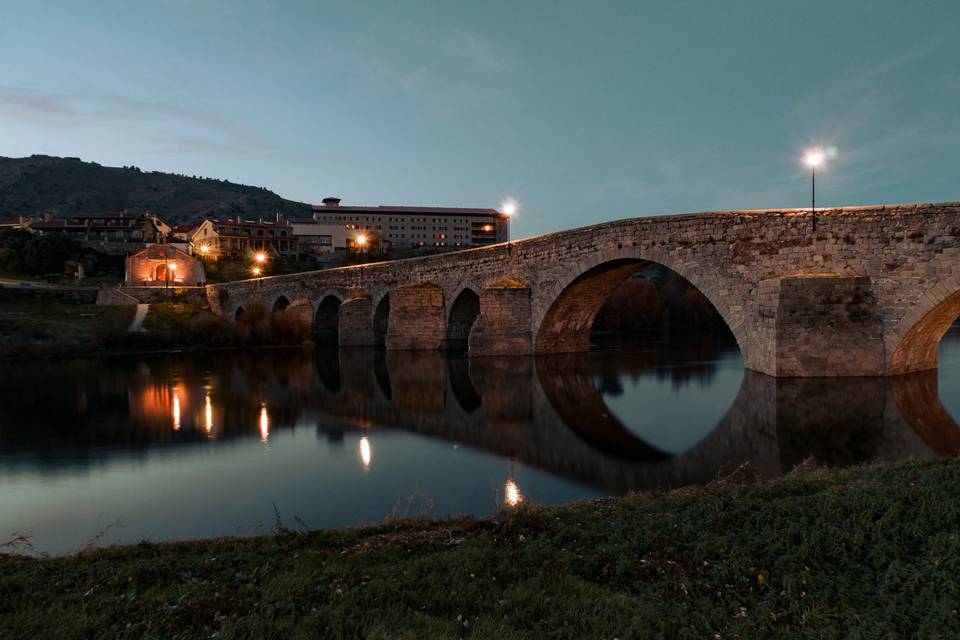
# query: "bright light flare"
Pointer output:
{"type": "Point", "coordinates": [361, 240]}
{"type": "Point", "coordinates": [509, 207]}
{"type": "Point", "coordinates": [264, 423]}
{"type": "Point", "coordinates": [176, 409]}
{"type": "Point", "coordinates": [260, 257]}
{"type": "Point", "coordinates": [814, 158]}
{"type": "Point", "coordinates": [366, 452]}
{"type": "Point", "coordinates": [172, 266]}
{"type": "Point", "coordinates": [256, 271]}
{"type": "Point", "coordinates": [208, 412]}
{"type": "Point", "coordinates": [204, 249]}
{"type": "Point", "coordinates": [511, 493]}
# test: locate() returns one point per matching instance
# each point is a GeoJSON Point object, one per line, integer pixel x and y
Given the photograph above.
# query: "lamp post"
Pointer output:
{"type": "Point", "coordinates": [814, 158]}
{"type": "Point", "coordinates": [361, 242]}
{"type": "Point", "coordinates": [509, 209]}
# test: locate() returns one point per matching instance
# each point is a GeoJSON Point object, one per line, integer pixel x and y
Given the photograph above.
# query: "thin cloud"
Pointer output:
{"type": "Point", "coordinates": [50, 110]}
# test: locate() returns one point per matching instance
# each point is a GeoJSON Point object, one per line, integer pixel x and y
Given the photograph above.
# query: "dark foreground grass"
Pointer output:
{"type": "Point", "coordinates": [866, 553]}
{"type": "Point", "coordinates": [41, 327]}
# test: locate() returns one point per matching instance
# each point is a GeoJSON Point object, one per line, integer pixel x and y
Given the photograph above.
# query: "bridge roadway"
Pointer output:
{"type": "Point", "coordinates": [869, 293]}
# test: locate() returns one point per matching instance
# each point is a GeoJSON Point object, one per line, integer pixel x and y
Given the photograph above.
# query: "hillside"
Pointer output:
{"type": "Point", "coordinates": [68, 186]}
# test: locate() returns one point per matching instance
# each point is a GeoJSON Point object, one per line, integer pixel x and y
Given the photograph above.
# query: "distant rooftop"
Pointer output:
{"type": "Point", "coordinates": [333, 204]}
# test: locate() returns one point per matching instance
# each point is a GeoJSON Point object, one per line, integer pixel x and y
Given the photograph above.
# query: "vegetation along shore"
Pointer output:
{"type": "Point", "coordinates": [866, 552]}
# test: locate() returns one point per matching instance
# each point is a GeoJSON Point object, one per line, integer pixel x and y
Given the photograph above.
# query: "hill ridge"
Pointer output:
{"type": "Point", "coordinates": [67, 186]}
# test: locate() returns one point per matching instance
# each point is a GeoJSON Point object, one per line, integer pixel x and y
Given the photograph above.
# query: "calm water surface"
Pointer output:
{"type": "Point", "coordinates": [95, 452]}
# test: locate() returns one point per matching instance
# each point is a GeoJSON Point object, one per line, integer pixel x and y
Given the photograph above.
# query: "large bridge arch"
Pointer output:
{"type": "Point", "coordinates": [564, 312]}
{"type": "Point", "coordinates": [915, 342]}
{"type": "Point", "coordinates": [463, 312]}
{"type": "Point", "coordinates": [326, 318]}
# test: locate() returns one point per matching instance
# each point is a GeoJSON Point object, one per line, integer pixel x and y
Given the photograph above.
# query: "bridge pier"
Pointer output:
{"type": "Point", "coordinates": [356, 322]}
{"type": "Point", "coordinates": [503, 327]}
{"type": "Point", "coordinates": [417, 318]}
{"type": "Point", "coordinates": [822, 325]}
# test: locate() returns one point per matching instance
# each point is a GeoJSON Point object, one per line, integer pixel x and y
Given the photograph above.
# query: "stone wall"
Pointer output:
{"type": "Point", "coordinates": [907, 253]}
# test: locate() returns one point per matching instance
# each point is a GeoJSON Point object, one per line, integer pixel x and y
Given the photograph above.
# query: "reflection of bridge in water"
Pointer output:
{"type": "Point", "coordinates": [546, 412]}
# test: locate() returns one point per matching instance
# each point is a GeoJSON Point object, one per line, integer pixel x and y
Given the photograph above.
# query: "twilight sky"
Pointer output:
{"type": "Point", "coordinates": [583, 112]}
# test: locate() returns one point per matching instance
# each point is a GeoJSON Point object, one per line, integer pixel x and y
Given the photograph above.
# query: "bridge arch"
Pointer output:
{"type": "Point", "coordinates": [564, 312]}
{"type": "Point", "coordinates": [464, 311]}
{"type": "Point", "coordinates": [326, 319]}
{"type": "Point", "coordinates": [280, 303]}
{"type": "Point", "coordinates": [238, 313]}
{"type": "Point", "coordinates": [381, 320]}
{"type": "Point", "coordinates": [916, 341]}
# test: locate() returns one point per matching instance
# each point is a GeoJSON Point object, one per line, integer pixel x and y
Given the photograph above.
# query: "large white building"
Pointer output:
{"type": "Point", "coordinates": [396, 227]}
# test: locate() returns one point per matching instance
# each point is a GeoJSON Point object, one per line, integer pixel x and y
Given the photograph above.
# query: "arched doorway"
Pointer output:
{"type": "Point", "coordinates": [162, 273]}
{"type": "Point", "coordinates": [326, 322]}
{"type": "Point", "coordinates": [463, 313]}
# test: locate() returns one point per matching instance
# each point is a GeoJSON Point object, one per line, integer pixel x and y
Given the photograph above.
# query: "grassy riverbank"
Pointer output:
{"type": "Point", "coordinates": [46, 327]}
{"type": "Point", "coordinates": [868, 552]}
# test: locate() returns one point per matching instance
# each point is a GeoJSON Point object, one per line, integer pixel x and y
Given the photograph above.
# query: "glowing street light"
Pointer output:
{"type": "Point", "coordinates": [204, 249]}
{"type": "Point", "coordinates": [814, 158]}
{"type": "Point", "coordinates": [260, 257]}
{"type": "Point", "coordinates": [256, 271]}
{"type": "Point", "coordinates": [509, 209]}
{"type": "Point", "coordinates": [360, 241]}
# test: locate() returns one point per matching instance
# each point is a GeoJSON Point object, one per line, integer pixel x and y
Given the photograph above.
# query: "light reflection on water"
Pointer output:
{"type": "Point", "coordinates": [182, 446]}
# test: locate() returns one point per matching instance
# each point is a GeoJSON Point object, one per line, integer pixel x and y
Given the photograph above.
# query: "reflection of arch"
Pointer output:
{"type": "Point", "coordinates": [326, 324]}
{"type": "Point", "coordinates": [281, 303]}
{"type": "Point", "coordinates": [328, 369]}
{"type": "Point", "coordinates": [918, 398]}
{"type": "Point", "coordinates": [463, 390]}
{"type": "Point", "coordinates": [917, 350]}
{"type": "Point", "coordinates": [238, 314]}
{"type": "Point", "coordinates": [382, 374]}
{"type": "Point", "coordinates": [381, 320]}
{"type": "Point", "coordinates": [463, 313]}
{"type": "Point", "coordinates": [567, 382]}
{"type": "Point", "coordinates": [574, 301]}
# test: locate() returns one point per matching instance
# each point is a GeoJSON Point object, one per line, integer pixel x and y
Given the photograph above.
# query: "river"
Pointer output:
{"type": "Point", "coordinates": [179, 446]}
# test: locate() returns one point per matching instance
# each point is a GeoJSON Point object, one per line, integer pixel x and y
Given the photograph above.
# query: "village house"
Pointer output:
{"type": "Point", "coordinates": [16, 222]}
{"type": "Point", "coordinates": [239, 238]}
{"type": "Point", "coordinates": [113, 233]}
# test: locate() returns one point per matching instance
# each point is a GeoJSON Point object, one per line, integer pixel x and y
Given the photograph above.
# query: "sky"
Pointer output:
{"type": "Point", "coordinates": [582, 112]}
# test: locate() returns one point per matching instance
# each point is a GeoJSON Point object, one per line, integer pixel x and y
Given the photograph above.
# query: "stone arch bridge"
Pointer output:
{"type": "Point", "coordinates": [870, 292]}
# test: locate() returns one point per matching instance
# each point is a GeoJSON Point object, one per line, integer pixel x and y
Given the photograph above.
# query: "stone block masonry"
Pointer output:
{"type": "Point", "coordinates": [870, 292]}
{"type": "Point", "coordinates": [417, 320]}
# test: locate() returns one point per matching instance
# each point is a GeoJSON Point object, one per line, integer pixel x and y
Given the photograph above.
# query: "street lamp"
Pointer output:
{"type": "Point", "coordinates": [260, 257]}
{"type": "Point", "coordinates": [509, 209]}
{"type": "Point", "coordinates": [814, 159]}
{"type": "Point", "coordinates": [360, 241]}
